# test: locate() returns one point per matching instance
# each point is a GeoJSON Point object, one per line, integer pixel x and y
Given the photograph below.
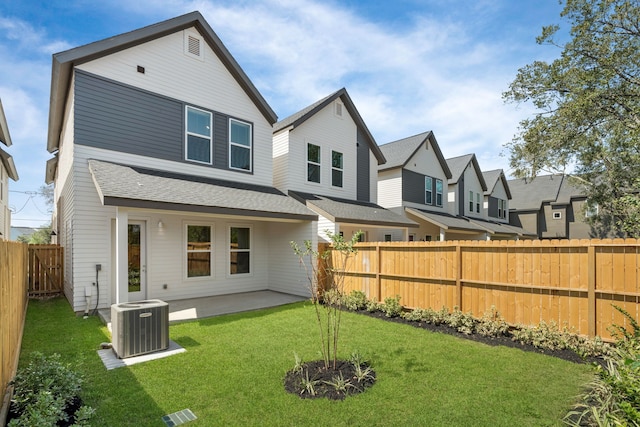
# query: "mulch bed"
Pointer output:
{"type": "Point", "coordinates": [324, 380]}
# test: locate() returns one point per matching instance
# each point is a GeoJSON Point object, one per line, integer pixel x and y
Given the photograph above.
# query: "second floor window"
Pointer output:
{"type": "Point", "coordinates": [428, 190]}
{"type": "Point", "coordinates": [198, 137]}
{"type": "Point", "coordinates": [239, 145]}
{"type": "Point", "coordinates": [313, 163]}
{"type": "Point", "coordinates": [477, 202]}
{"type": "Point", "coordinates": [336, 169]}
{"type": "Point", "coordinates": [439, 192]}
{"type": "Point", "coordinates": [470, 201]}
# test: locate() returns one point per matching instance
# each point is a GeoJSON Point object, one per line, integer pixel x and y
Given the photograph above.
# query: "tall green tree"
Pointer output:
{"type": "Point", "coordinates": [588, 110]}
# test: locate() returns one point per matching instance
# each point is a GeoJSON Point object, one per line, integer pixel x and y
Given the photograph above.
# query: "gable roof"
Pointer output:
{"type": "Point", "coordinates": [458, 166]}
{"type": "Point", "coordinates": [398, 153]}
{"type": "Point", "coordinates": [5, 138]}
{"type": "Point", "coordinates": [530, 194]}
{"type": "Point", "coordinates": [492, 177]}
{"type": "Point", "coordinates": [569, 189]}
{"type": "Point", "coordinates": [352, 211]}
{"type": "Point", "coordinates": [64, 62]}
{"type": "Point", "coordinates": [9, 165]}
{"type": "Point", "coordinates": [298, 118]}
{"type": "Point", "coordinates": [133, 186]}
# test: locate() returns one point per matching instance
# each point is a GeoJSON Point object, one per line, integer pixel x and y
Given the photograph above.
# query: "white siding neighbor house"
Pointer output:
{"type": "Point", "coordinates": [7, 170]}
{"type": "Point", "coordinates": [163, 172]}
{"type": "Point", "coordinates": [413, 183]}
{"type": "Point", "coordinates": [325, 157]}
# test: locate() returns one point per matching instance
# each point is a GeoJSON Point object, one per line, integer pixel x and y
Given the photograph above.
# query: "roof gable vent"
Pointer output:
{"type": "Point", "coordinates": [193, 45]}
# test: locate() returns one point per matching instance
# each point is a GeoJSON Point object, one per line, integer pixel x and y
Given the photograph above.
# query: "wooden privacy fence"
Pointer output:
{"type": "Point", "coordinates": [13, 307]}
{"type": "Point", "coordinates": [572, 282]}
{"type": "Point", "coordinates": [46, 271]}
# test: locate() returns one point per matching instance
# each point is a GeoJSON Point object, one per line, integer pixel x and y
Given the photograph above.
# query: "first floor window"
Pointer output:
{"type": "Point", "coordinates": [239, 145]}
{"type": "Point", "coordinates": [428, 190]}
{"type": "Point", "coordinates": [240, 250]}
{"type": "Point", "coordinates": [336, 169]}
{"type": "Point", "coordinates": [439, 192]}
{"type": "Point", "coordinates": [198, 250]}
{"type": "Point", "coordinates": [198, 138]}
{"type": "Point", "coordinates": [313, 163]}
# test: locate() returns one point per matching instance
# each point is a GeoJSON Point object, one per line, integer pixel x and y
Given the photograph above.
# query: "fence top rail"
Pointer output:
{"type": "Point", "coordinates": [568, 243]}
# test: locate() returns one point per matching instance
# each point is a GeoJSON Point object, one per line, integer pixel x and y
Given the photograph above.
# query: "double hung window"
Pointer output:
{"type": "Point", "coordinates": [239, 145]}
{"type": "Point", "coordinates": [198, 250]}
{"type": "Point", "coordinates": [198, 139]}
{"type": "Point", "coordinates": [336, 169]}
{"type": "Point", "coordinates": [240, 250]}
{"type": "Point", "coordinates": [428, 190]}
{"type": "Point", "coordinates": [439, 190]}
{"type": "Point", "coordinates": [313, 163]}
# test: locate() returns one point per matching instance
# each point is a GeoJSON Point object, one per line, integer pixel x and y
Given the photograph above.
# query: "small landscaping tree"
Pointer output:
{"type": "Point", "coordinates": [327, 299]}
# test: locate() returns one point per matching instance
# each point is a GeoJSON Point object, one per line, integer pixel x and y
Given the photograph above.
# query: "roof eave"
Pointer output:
{"type": "Point", "coordinates": [7, 161]}
{"type": "Point", "coordinates": [5, 137]}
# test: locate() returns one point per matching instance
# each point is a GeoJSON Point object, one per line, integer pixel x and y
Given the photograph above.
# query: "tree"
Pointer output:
{"type": "Point", "coordinates": [588, 117]}
{"type": "Point", "coordinates": [327, 299]}
{"type": "Point", "coordinates": [42, 236]}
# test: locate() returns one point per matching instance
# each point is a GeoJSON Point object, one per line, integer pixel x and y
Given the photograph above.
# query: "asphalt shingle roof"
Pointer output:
{"type": "Point", "coordinates": [491, 179]}
{"type": "Point", "coordinates": [530, 194]}
{"type": "Point", "coordinates": [399, 152]}
{"type": "Point", "coordinates": [123, 185]}
{"type": "Point", "coordinates": [446, 221]}
{"type": "Point", "coordinates": [351, 211]}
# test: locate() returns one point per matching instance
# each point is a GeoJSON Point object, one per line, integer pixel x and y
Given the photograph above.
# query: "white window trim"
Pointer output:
{"type": "Point", "coordinates": [229, 251]}
{"type": "Point", "coordinates": [441, 193]}
{"type": "Point", "coordinates": [308, 162]}
{"type": "Point", "coordinates": [250, 147]}
{"type": "Point", "coordinates": [557, 215]}
{"type": "Point", "coordinates": [427, 190]}
{"type": "Point", "coordinates": [471, 201]}
{"type": "Point", "coordinates": [185, 251]}
{"type": "Point", "coordinates": [187, 133]}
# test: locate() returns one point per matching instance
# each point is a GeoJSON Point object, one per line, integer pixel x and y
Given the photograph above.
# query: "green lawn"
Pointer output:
{"type": "Point", "coordinates": [232, 373]}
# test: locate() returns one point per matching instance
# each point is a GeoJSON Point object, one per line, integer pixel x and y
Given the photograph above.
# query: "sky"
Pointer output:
{"type": "Point", "coordinates": [410, 66]}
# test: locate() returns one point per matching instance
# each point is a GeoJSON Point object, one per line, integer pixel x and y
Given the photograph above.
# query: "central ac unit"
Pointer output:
{"type": "Point", "coordinates": [139, 327]}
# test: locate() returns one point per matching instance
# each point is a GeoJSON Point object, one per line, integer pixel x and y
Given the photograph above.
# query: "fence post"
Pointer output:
{"type": "Point", "coordinates": [458, 275]}
{"type": "Point", "coordinates": [591, 290]}
{"type": "Point", "coordinates": [379, 272]}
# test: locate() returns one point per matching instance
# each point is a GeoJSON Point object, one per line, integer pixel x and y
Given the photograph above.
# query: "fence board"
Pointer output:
{"type": "Point", "coordinates": [571, 282]}
{"type": "Point", "coordinates": [13, 305]}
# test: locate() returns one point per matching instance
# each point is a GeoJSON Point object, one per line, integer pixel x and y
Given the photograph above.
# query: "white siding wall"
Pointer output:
{"type": "Point", "coordinates": [286, 273]}
{"type": "Point", "coordinates": [331, 134]}
{"type": "Point", "coordinates": [472, 183]}
{"type": "Point", "coordinates": [4, 204]}
{"type": "Point", "coordinates": [325, 224]}
{"type": "Point", "coordinates": [170, 72]}
{"type": "Point", "coordinates": [93, 227]}
{"type": "Point", "coordinates": [281, 161]}
{"type": "Point", "coordinates": [390, 188]}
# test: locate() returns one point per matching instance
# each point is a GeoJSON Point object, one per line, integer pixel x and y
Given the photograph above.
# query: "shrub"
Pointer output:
{"type": "Point", "coordinates": [391, 306]}
{"type": "Point", "coordinates": [43, 390]}
{"type": "Point", "coordinates": [462, 322]}
{"type": "Point", "coordinates": [415, 315]}
{"type": "Point", "coordinates": [373, 306]}
{"type": "Point", "coordinates": [491, 324]}
{"type": "Point", "coordinates": [356, 300]}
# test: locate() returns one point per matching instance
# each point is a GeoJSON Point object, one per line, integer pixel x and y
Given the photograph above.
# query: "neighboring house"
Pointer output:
{"type": "Point", "coordinates": [413, 183]}
{"type": "Point", "coordinates": [16, 232]}
{"type": "Point", "coordinates": [163, 172]}
{"type": "Point", "coordinates": [7, 170]}
{"type": "Point", "coordinates": [496, 209]}
{"type": "Point", "coordinates": [551, 205]}
{"type": "Point", "coordinates": [325, 157]}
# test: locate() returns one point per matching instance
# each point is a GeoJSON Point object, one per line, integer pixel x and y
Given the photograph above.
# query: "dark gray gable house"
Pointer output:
{"type": "Point", "coordinates": [163, 171]}
{"type": "Point", "coordinates": [326, 158]}
{"type": "Point", "coordinates": [552, 205]}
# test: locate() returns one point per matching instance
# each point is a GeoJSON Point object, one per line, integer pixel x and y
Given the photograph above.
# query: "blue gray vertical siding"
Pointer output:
{"type": "Point", "coordinates": [120, 117]}
{"type": "Point", "coordinates": [413, 187]}
{"type": "Point", "coordinates": [363, 185]}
